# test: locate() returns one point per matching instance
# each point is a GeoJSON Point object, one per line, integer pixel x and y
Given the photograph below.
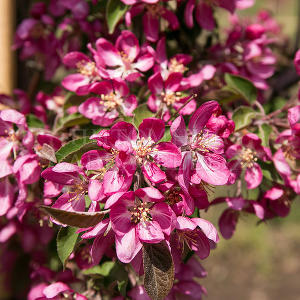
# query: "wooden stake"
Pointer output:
{"type": "Point", "coordinates": [7, 62]}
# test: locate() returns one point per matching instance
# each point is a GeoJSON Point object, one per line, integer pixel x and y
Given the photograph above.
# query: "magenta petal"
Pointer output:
{"type": "Point", "coordinates": [156, 84]}
{"type": "Point", "coordinates": [150, 232]}
{"type": "Point", "coordinates": [128, 246]}
{"type": "Point", "coordinates": [93, 159]}
{"type": "Point", "coordinates": [13, 116]}
{"type": "Point", "coordinates": [73, 58]}
{"type": "Point", "coordinates": [112, 181]}
{"type": "Point", "coordinates": [228, 222]}
{"type": "Point", "coordinates": [95, 190]}
{"type": "Point", "coordinates": [103, 87]}
{"type": "Point", "coordinates": [144, 63]}
{"type": "Point", "coordinates": [54, 289]}
{"type": "Point", "coordinates": [5, 168]}
{"type": "Point", "coordinates": [100, 245]}
{"type": "Point", "coordinates": [149, 194]}
{"type": "Point", "coordinates": [5, 148]}
{"type": "Point", "coordinates": [281, 164]}
{"type": "Point", "coordinates": [184, 223]}
{"type": "Point", "coordinates": [188, 13]}
{"type": "Point", "coordinates": [169, 16]}
{"type": "Point", "coordinates": [153, 128]}
{"type": "Point", "coordinates": [164, 216]}
{"type": "Point", "coordinates": [202, 115]}
{"type": "Point", "coordinates": [151, 27]}
{"type": "Point", "coordinates": [204, 16]}
{"type": "Point", "coordinates": [6, 196]}
{"type": "Point", "coordinates": [202, 245]}
{"type": "Point", "coordinates": [121, 218]}
{"type": "Point", "coordinates": [153, 172]}
{"type": "Point", "coordinates": [173, 82]}
{"type": "Point", "coordinates": [75, 81]}
{"type": "Point", "coordinates": [167, 155]}
{"type": "Point", "coordinates": [70, 202]}
{"type": "Point", "coordinates": [253, 176]}
{"type": "Point", "coordinates": [109, 53]}
{"type": "Point", "coordinates": [178, 132]}
{"type": "Point", "coordinates": [208, 228]}
{"type": "Point", "coordinates": [128, 43]}
{"type": "Point", "coordinates": [212, 168]}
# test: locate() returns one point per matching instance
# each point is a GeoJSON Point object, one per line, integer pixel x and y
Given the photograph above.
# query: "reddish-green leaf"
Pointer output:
{"type": "Point", "coordinates": [159, 270]}
{"type": "Point", "coordinates": [76, 219]}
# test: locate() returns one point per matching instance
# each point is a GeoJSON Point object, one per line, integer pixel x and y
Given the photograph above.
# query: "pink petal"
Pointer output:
{"type": "Point", "coordinates": [184, 223]}
{"type": "Point", "coordinates": [149, 194]}
{"type": "Point", "coordinates": [208, 228]}
{"type": "Point", "coordinates": [178, 132]}
{"type": "Point", "coordinates": [156, 84]}
{"type": "Point", "coordinates": [6, 196]}
{"type": "Point", "coordinates": [153, 172]}
{"type": "Point", "coordinates": [55, 289]}
{"type": "Point", "coordinates": [167, 155]}
{"type": "Point", "coordinates": [150, 232]}
{"type": "Point", "coordinates": [228, 222]}
{"type": "Point", "coordinates": [73, 58]}
{"type": "Point", "coordinates": [253, 176]}
{"type": "Point", "coordinates": [204, 16]}
{"type": "Point", "coordinates": [202, 115]}
{"type": "Point", "coordinates": [212, 168]}
{"type": "Point", "coordinates": [173, 82]}
{"type": "Point", "coordinates": [188, 13]}
{"type": "Point", "coordinates": [151, 27]}
{"type": "Point", "coordinates": [75, 81]}
{"type": "Point", "coordinates": [128, 43]}
{"type": "Point", "coordinates": [128, 246]}
{"type": "Point", "coordinates": [144, 62]}
{"type": "Point", "coordinates": [109, 53]}
{"type": "Point", "coordinates": [153, 128]}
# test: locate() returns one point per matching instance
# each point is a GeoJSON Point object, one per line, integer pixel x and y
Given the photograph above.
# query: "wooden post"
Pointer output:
{"type": "Point", "coordinates": [7, 62]}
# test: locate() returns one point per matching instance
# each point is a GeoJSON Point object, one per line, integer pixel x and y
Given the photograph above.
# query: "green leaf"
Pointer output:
{"type": "Point", "coordinates": [140, 113]}
{"type": "Point", "coordinates": [269, 172]}
{"type": "Point", "coordinates": [34, 122]}
{"type": "Point", "coordinates": [122, 286]}
{"type": "Point", "coordinates": [103, 270]}
{"type": "Point", "coordinates": [70, 121]}
{"type": "Point", "coordinates": [264, 132]}
{"type": "Point", "coordinates": [243, 116]}
{"type": "Point", "coordinates": [249, 194]}
{"type": "Point", "coordinates": [75, 219]}
{"type": "Point", "coordinates": [73, 150]}
{"type": "Point", "coordinates": [242, 86]}
{"type": "Point", "coordinates": [115, 10]}
{"type": "Point", "coordinates": [159, 270]}
{"type": "Point", "coordinates": [167, 136]}
{"type": "Point", "coordinates": [73, 100]}
{"type": "Point", "coordinates": [65, 242]}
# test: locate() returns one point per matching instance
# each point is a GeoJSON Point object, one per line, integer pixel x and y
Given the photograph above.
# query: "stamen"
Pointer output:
{"type": "Point", "coordinates": [111, 101]}
{"type": "Point", "coordinates": [140, 213]}
{"type": "Point", "coordinates": [248, 157]}
{"type": "Point", "coordinates": [87, 68]}
{"type": "Point", "coordinates": [176, 66]}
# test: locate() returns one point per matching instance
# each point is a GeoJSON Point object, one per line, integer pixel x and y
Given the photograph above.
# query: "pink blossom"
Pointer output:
{"type": "Point", "coordinates": [246, 157]}
{"type": "Point", "coordinates": [197, 234]}
{"type": "Point", "coordinates": [202, 147]}
{"type": "Point", "coordinates": [124, 60]}
{"type": "Point", "coordinates": [153, 11]}
{"type": "Point", "coordinates": [139, 217]}
{"type": "Point", "coordinates": [165, 95]}
{"type": "Point", "coordinates": [144, 149]}
{"type": "Point", "coordinates": [114, 99]}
